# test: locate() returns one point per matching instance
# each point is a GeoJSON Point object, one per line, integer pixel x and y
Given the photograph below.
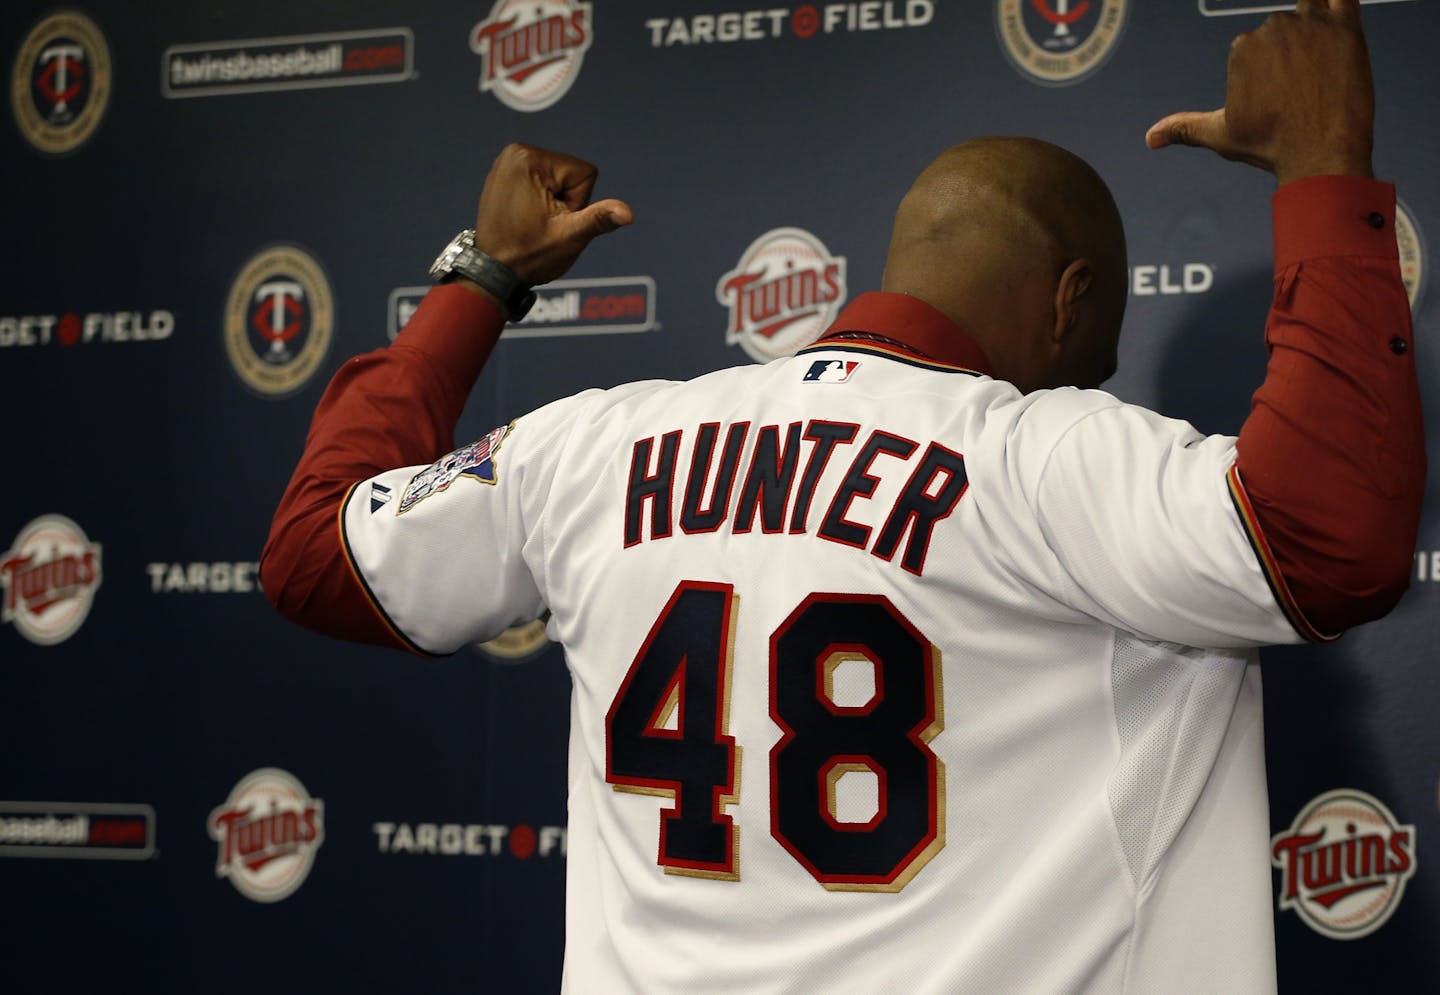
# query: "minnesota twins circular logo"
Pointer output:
{"type": "Point", "coordinates": [1344, 863]}
{"type": "Point", "coordinates": [532, 50]}
{"type": "Point", "coordinates": [268, 832]}
{"type": "Point", "coordinates": [782, 294]}
{"type": "Point", "coordinates": [1412, 255]}
{"type": "Point", "coordinates": [279, 319]}
{"type": "Point", "coordinates": [1058, 42]}
{"type": "Point", "coordinates": [61, 83]}
{"type": "Point", "coordinates": [48, 580]}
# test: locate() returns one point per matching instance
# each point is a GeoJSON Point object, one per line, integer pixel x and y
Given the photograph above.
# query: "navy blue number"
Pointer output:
{"type": "Point", "coordinates": [885, 736]}
{"type": "Point", "coordinates": [665, 732]}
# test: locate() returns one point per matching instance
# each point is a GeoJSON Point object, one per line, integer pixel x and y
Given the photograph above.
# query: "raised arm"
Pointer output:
{"type": "Point", "coordinates": [1331, 467]}
{"type": "Point", "coordinates": [398, 406]}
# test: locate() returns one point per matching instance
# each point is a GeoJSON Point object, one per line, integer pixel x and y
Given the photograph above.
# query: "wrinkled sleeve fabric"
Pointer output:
{"type": "Point", "coordinates": [1331, 463]}
{"type": "Point", "coordinates": [390, 408]}
{"type": "Point", "coordinates": [1301, 527]}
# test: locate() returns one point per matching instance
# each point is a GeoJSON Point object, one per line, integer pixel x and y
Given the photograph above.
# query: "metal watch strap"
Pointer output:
{"type": "Point", "coordinates": [493, 275]}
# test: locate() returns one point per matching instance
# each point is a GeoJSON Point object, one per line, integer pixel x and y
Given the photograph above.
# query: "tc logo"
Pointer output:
{"type": "Point", "coordinates": [64, 74]}
{"type": "Point", "coordinates": [60, 85]}
{"type": "Point", "coordinates": [1412, 254]}
{"type": "Point", "coordinates": [279, 316]}
{"type": "Point", "coordinates": [279, 319]}
{"type": "Point", "coordinates": [1062, 16]}
{"type": "Point", "coordinates": [1057, 42]}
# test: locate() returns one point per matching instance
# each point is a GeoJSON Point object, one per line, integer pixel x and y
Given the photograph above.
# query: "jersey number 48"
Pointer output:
{"type": "Point", "coordinates": [666, 734]}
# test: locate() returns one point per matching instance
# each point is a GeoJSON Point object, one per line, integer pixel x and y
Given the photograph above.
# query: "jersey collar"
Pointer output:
{"type": "Point", "coordinates": [918, 333]}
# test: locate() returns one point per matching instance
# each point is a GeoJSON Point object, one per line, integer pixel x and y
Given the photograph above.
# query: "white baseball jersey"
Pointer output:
{"type": "Point", "coordinates": [883, 677]}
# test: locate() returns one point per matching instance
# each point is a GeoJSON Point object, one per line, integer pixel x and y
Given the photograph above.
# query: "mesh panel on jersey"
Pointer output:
{"type": "Point", "coordinates": [1172, 706]}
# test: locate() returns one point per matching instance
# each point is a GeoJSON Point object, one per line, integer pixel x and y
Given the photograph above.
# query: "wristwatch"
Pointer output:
{"type": "Point", "coordinates": [461, 258]}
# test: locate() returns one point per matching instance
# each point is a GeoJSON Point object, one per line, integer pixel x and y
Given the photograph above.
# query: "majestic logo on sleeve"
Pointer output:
{"type": "Point", "coordinates": [278, 321]}
{"type": "Point", "coordinates": [476, 461]}
{"type": "Point", "coordinates": [268, 831]}
{"type": "Point", "coordinates": [782, 294]}
{"type": "Point", "coordinates": [49, 577]}
{"type": "Point", "coordinates": [1057, 42]}
{"type": "Point", "coordinates": [531, 50]}
{"type": "Point", "coordinates": [61, 83]}
{"type": "Point", "coordinates": [1412, 255]}
{"type": "Point", "coordinates": [1344, 864]}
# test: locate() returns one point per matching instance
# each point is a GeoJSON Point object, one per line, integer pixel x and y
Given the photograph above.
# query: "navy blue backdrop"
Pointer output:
{"type": "Point", "coordinates": [207, 207]}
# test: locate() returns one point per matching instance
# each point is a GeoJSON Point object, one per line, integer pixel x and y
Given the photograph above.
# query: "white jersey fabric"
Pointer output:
{"type": "Point", "coordinates": [943, 730]}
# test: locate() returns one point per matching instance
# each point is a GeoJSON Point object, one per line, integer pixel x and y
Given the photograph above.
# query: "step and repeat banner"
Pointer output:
{"type": "Point", "coordinates": [208, 207]}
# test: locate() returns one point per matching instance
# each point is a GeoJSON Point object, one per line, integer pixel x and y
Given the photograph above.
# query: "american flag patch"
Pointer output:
{"type": "Point", "coordinates": [830, 371]}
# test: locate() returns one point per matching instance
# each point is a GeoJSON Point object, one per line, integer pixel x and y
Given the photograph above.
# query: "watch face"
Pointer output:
{"type": "Point", "coordinates": [445, 262]}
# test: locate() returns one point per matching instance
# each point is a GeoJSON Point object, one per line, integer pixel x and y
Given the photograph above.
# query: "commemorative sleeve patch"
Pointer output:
{"type": "Point", "coordinates": [476, 461]}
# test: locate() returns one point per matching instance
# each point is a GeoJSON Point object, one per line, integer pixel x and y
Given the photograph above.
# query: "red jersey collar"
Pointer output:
{"type": "Point", "coordinates": [921, 330]}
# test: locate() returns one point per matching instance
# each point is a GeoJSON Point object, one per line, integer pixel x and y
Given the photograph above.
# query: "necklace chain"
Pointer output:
{"type": "Point", "coordinates": [876, 337]}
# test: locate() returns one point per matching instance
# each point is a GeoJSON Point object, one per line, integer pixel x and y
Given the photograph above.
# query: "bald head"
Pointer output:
{"type": "Point", "coordinates": [1020, 242]}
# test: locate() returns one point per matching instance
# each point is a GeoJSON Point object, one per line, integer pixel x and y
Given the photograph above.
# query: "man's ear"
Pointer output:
{"type": "Point", "coordinates": [1074, 283]}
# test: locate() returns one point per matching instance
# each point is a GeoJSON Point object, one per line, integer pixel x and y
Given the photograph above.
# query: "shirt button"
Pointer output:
{"type": "Point", "coordinates": [1376, 220]}
{"type": "Point", "coordinates": [1399, 346]}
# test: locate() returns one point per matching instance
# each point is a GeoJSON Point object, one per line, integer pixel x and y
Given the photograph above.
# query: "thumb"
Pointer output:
{"type": "Point", "coordinates": [601, 217]}
{"type": "Point", "coordinates": [1204, 129]}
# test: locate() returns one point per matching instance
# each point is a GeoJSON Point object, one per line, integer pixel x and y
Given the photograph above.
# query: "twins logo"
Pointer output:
{"type": "Point", "coordinates": [50, 577]}
{"type": "Point", "coordinates": [268, 831]}
{"type": "Point", "coordinates": [531, 50]}
{"type": "Point", "coordinates": [782, 294]}
{"type": "Point", "coordinates": [1344, 863]}
{"type": "Point", "coordinates": [476, 461]}
{"type": "Point", "coordinates": [1057, 42]}
{"type": "Point", "coordinates": [278, 321]}
{"type": "Point", "coordinates": [61, 83]}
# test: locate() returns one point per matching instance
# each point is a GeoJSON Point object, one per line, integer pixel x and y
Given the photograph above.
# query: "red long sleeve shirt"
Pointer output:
{"type": "Point", "coordinates": [1329, 476]}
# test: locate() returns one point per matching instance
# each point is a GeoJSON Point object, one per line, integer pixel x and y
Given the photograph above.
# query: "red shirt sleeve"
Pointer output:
{"type": "Point", "coordinates": [388, 408]}
{"type": "Point", "coordinates": [1331, 467]}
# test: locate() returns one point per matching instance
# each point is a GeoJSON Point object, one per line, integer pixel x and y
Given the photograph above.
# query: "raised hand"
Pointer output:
{"type": "Point", "coordinates": [1299, 99]}
{"type": "Point", "coordinates": [535, 214]}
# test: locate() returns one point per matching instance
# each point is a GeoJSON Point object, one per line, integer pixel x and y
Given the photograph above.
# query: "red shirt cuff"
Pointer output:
{"type": "Point", "coordinates": [1333, 216]}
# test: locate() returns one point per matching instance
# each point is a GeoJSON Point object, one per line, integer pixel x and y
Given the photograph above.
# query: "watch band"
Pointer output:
{"type": "Point", "coordinates": [461, 258]}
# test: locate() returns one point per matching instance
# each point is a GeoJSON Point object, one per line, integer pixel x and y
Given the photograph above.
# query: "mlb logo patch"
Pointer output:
{"type": "Point", "coordinates": [830, 371]}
